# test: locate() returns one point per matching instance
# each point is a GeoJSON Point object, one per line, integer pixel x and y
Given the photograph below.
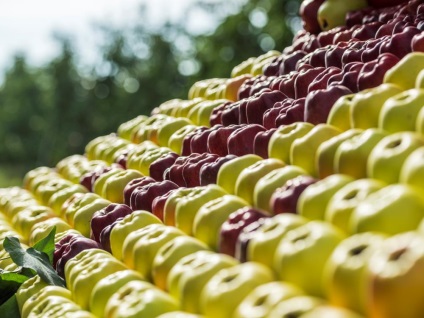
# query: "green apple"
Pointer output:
{"type": "Point", "coordinates": [149, 156]}
{"type": "Point", "coordinates": [340, 207]}
{"type": "Point", "coordinates": [46, 190]}
{"type": "Point", "coordinates": [170, 206]}
{"type": "Point", "coordinates": [229, 171]}
{"type": "Point", "coordinates": [41, 229]}
{"type": "Point", "coordinates": [168, 107]}
{"type": "Point", "coordinates": [370, 101]}
{"type": "Point", "coordinates": [331, 311]}
{"type": "Point", "coordinates": [27, 289]}
{"type": "Point", "coordinates": [131, 222]}
{"type": "Point", "coordinates": [302, 254]}
{"type": "Point", "coordinates": [339, 115]}
{"type": "Point", "coordinates": [393, 209]}
{"type": "Point", "coordinates": [125, 129]}
{"type": "Point", "coordinates": [387, 157]}
{"type": "Point", "coordinates": [165, 132]}
{"type": "Point", "coordinates": [264, 298]}
{"type": "Point", "coordinates": [44, 293]}
{"type": "Point", "coordinates": [396, 281]}
{"type": "Point", "coordinates": [188, 206]}
{"type": "Point", "coordinates": [135, 155]}
{"type": "Point", "coordinates": [101, 180]}
{"type": "Point", "coordinates": [419, 123]}
{"type": "Point", "coordinates": [264, 243]}
{"type": "Point", "coordinates": [297, 306]}
{"type": "Point", "coordinates": [175, 142]}
{"type": "Point", "coordinates": [266, 185]}
{"type": "Point", "coordinates": [281, 141]}
{"type": "Point", "coordinates": [170, 253]}
{"type": "Point", "coordinates": [32, 174]}
{"type": "Point", "coordinates": [27, 218]}
{"type": "Point", "coordinates": [303, 150]}
{"type": "Point", "coordinates": [412, 169]}
{"type": "Point", "coordinates": [327, 151]}
{"type": "Point", "coordinates": [249, 176]}
{"type": "Point", "coordinates": [201, 265]}
{"type": "Point", "coordinates": [92, 146]}
{"type": "Point", "coordinates": [71, 160]}
{"type": "Point", "coordinates": [211, 215]}
{"type": "Point", "coordinates": [399, 113]}
{"type": "Point", "coordinates": [185, 107]}
{"type": "Point", "coordinates": [227, 288]}
{"type": "Point", "coordinates": [107, 286]}
{"type": "Point", "coordinates": [313, 201]}
{"type": "Point", "coordinates": [346, 274]}
{"type": "Point", "coordinates": [147, 246]}
{"type": "Point", "coordinates": [405, 72]}
{"type": "Point", "coordinates": [113, 189]}
{"type": "Point", "coordinates": [351, 156]}
{"type": "Point", "coordinates": [78, 201]}
{"type": "Point", "coordinates": [243, 68]}
{"type": "Point", "coordinates": [58, 199]}
{"type": "Point", "coordinates": [201, 113]}
{"type": "Point", "coordinates": [58, 307]}
{"type": "Point", "coordinates": [139, 299]}
{"type": "Point", "coordinates": [81, 220]}
{"type": "Point", "coordinates": [332, 13]}
{"type": "Point", "coordinates": [179, 314]}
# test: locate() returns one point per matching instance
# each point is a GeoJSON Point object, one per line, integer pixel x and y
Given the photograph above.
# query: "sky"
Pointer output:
{"type": "Point", "coordinates": [28, 26]}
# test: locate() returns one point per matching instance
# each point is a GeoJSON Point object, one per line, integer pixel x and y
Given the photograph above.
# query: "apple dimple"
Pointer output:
{"type": "Point", "coordinates": [396, 255]}
{"type": "Point", "coordinates": [358, 250]}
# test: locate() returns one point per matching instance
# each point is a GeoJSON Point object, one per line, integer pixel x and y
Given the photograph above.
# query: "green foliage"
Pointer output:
{"type": "Point", "coordinates": [50, 112]}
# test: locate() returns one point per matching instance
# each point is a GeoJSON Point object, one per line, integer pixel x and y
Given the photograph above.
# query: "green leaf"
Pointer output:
{"type": "Point", "coordinates": [9, 284]}
{"type": "Point", "coordinates": [46, 245]}
{"type": "Point", "coordinates": [10, 308]}
{"type": "Point", "coordinates": [33, 259]}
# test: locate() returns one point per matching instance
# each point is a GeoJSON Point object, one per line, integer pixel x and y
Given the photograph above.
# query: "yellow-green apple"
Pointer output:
{"type": "Point", "coordinates": [146, 247]}
{"type": "Point", "coordinates": [285, 199]}
{"type": "Point", "coordinates": [281, 141]}
{"type": "Point", "coordinates": [125, 129]}
{"type": "Point", "coordinates": [47, 189]}
{"type": "Point", "coordinates": [186, 107]}
{"type": "Point", "coordinates": [57, 199]}
{"type": "Point", "coordinates": [234, 225]}
{"type": "Point", "coordinates": [108, 154]}
{"type": "Point", "coordinates": [83, 284]}
{"type": "Point", "coordinates": [399, 112]}
{"type": "Point", "coordinates": [264, 298]}
{"type": "Point", "coordinates": [158, 204]}
{"type": "Point", "coordinates": [41, 229]}
{"type": "Point", "coordinates": [331, 311]}
{"type": "Point", "coordinates": [311, 243]}
{"type": "Point", "coordinates": [211, 215]}
{"type": "Point", "coordinates": [58, 306]}
{"type": "Point", "coordinates": [44, 293]}
{"type": "Point", "coordinates": [228, 287]}
{"type": "Point", "coordinates": [104, 289]}
{"type": "Point", "coordinates": [188, 206]}
{"type": "Point", "coordinates": [242, 68]}
{"type": "Point", "coordinates": [113, 189]}
{"type": "Point", "coordinates": [266, 185]}
{"type": "Point", "coordinates": [297, 306]}
{"type": "Point", "coordinates": [149, 157]}
{"type": "Point", "coordinates": [406, 71]}
{"type": "Point", "coordinates": [371, 101]}
{"type": "Point", "coordinates": [75, 159]}
{"type": "Point", "coordinates": [168, 107]}
{"type": "Point", "coordinates": [396, 282]}
{"type": "Point", "coordinates": [303, 150]}
{"type": "Point", "coordinates": [170, 253]}
{"type": "Point", "coordinates": [82, 217]}
{"type": "Point", "coordinates": [139, 299]}
{"type": "Point", "coordinates": [314, 199]}
{"type": "Point", "coordinates": [171, 204]}
{"type": "Point", "coordinates": [32, 174]}
{"type": "Point", "coordinates": [419, 124]}
{"type": "Point", "coordinates": [346, 274]}
{"type": "Point", "coordinates": [28, 217]}
{"type": "Point", "coordinates": [249, 176]}
{"type": "Point", "coordinates": [134, 155]}
{"type": "Point", "coordinates": [200, 113]}
{"type": "Point", "coordinates": [168, 129]}
{"type": "Point", "coordinates": [340, 207]}
{"type": "Point", "coordinates": [393, 209]}
{"type": "Point", "coordinates": [134, 221]}
{"type": "Point", "coordinates": [352, 155]}
{"type": "Point", "coordinates": [179, 314]}
{"type": "Point", "coordinates": [27, 289]}
{"type": "Point", "coordinates": [196, 269]}
{"type": "Point", "coordinates": [244, 238]}
{"type": "Point", "coordinates": [175, 142]}
{"type": "Point", "coordinates": [387, 157]}
{"type": "Point", "coordinates": [327, 151]}
{"type": "Point", "coordinates": [339, 115]}
{"type": "Point", "coordinates": [412, 169]}
{"type": "Point", "coordinates": [229, 171]}
{"type": "Point", "coordinates": [98, 185]}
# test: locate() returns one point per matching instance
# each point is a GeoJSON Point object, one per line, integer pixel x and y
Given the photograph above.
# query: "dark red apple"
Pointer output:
{"type": "Point", "coordinates": [309, 13]}
{"type": "Point", "coordinates": [142, 197]}
{"type": "Point", "coordinates": [261, 142]}
{"type": "Point", "coordinates": [209, 171]}
{"type": "Point", "coordinates": [157, 168]}
{"type": "Point", "coordinates": [240, 142]}
{"type": "Point", "coordinates": [130, 187]}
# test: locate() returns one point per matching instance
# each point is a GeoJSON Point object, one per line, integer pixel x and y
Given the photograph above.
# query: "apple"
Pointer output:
{"type": "Point", "coordinates": [48, 188]}
{"type": "Point", "coordinates": [297, 306]}
{"type": "Point", "coordinates": [229, 171]}
{"type": "Point", "coordinates": [139, 299]}
{"type": "Point", "coordinates": [27, 289]}
{"type": "Point", "coordinates": [394, 270]}
{"type": "Point", "coordinates": [346, 273]}
{"type": "Point", "coordinates": [146, 248]}
{"type": "Point", "coordinates": [134, 184]}
{"type": "Point", "coordinates": [23, 221]}
{"type": "Point", "coordinates": [170, 253]}
{"type": "Point", "coordinates": [166, 130]}
{"type": "Point", "coordinates": [309, 13]}
{"type": "Point", "coordinates": [241, 141]}
{"type": "Point", "coordinates": [42, 228]}
{"type": "Point", "coordinates": [176, 140]}
{"type": "Point", "coordinates": [333, 13]}
{"type": "Point", "coordinates": [339, 115]}
{"type": "Point", "coordinates": [341, 206]}
{"type": "Point", "coordinates": [227, 288]}
{"type": "Point", "coordinates": [234, 225]}
{"type": "Point", "coordinates": [158, 204]}
{"type": "Point", "coordinates": [125, 129]}
{"type": "Point", "coordinates": [264, 298]}
{"type": "Point", "coordinates": [371, 101]}
{"type": "Point", "coordinates": [257, 105]}
{"type": "Point", "coordinates": [266, 185]}
{"type": "Point", "coordinates": [187, 207]}
{"type": "Point", "coordinates": [412, 169]}
{"type": "Point", "coordinates": [404, 73]}
{"type": "Point", "coordinates": [303, 150]}
{"type": "Point", "coordinates": [208, 174]}
{"type": "Point", "coordinates": [400, 43]}
{"type": "Point", "coordinates": [331, 311]}
{"type": "Point", "coordinates": [372, 73]}
{"type": "Point", "coordinates": [351, 156]}
{"type": "Point", "coordinates": [83, 215]}
{"type": "Point", "coordinates": [301, 255]}
{"type": "Point", "coordinates": [391, 152]}
{"type": "Point", "coordinates": [134, 221]}
{"type": "Point", "coordinates": [142, 197]}
{"type": "Point", "coordinates": [261, 142]}
{"type": "Point", "coordinates": [135, 154]}
{"type": "Point", "coordinates": [158, 166]}
{"type": "Point", "coordinates": [294, 113]}
{"type": "Point", "coordinates": [192, 168]}
{"type": "Point", "coordinates": [218, 139]}
{"type": "Point", "coordinates": [34, 173]}
{"type": "Point", "coordinates": [149, 157]}
{"type": "Point", "coordinates": [57, 200]}
{"type": "Point", "coordinates": [106, 287]}
{"type": "Point", "coordinates": [399, 112]}
{"type": "Point", "coordinates": [98, 185]}
{"type": "Point", "coordinates": [169, 209]}
{"type": "Point", "coordinates": [382, 210]}
{"type": "Point", "coordinates": [58, 306]}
